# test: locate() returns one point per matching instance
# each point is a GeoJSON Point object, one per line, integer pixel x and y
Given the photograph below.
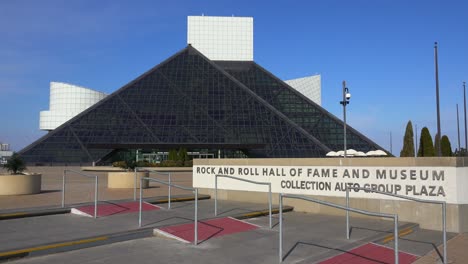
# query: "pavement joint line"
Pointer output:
{"type": "Point", "coordinates": [52, 246]}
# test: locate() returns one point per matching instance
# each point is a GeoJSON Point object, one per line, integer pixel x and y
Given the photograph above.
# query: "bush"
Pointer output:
{"type": "Point", "coordinates": [446, 147]}
{"type": "Point", "coordinates": [121, 164]}
{"type": "Point", "coordinates": [408, 143]}
{"type": "Point", "coordinates": [15, 165]}
{"type": "Point", "coordinates": [426, 147]}
{"type": "Point", "coordinates": [188, 163]}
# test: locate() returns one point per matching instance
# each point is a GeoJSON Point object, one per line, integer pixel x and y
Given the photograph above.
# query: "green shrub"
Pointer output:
{"type": "Point", "coordinates": [446, 147]}
{"type": "Point", "coordinates": [188, 163]}
{"type": "Point", "coordinates": [15, 165]}
{"type": "Point", "coordinates": [121, 164]}
{"type": "Point", "coordinates": [408, 143]}
{"type": "Point", "coordinates": [426, 147]}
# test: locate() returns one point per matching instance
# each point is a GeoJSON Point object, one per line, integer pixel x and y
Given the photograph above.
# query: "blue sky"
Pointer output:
{"type": "Point", "coordinates": [383, 49]}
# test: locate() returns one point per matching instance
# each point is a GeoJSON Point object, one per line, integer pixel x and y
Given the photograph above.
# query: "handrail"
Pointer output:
{"type": "Point", "coordinates": [245, 180]}
{"type": "Point", "coordinates": [195, 190]}
{"type": "Point", "coordinates": [443, 203]}
{"type": "Point", "coordinates": [347, 208]}
{"type": "Point", "coordinates": [84, 175]}
{"type": "Point", "coordinates": [137, 169]}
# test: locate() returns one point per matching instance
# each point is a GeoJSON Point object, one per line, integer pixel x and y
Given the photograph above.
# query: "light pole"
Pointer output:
{"type": "Point", "coordinates": [458, 128]}
{"type": "Point", "coordinates": [464, 103]}
{"type": "Point", "coordinates": [437, 99]}
{"type": "Point", "coordinates": [346, 97]}
{"type": "Point", "coordinates": [416, 141]}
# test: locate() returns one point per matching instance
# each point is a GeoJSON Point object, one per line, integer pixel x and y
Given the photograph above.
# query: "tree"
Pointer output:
{"type": "Point", "coordinates": [426, 147]}
{"type": "Point", "coordinates": [437, 144]}
{"type": "Point", "coordinates": [408, 142]}
{"type": "Point", "coordinates": [446, 147]}
{"type": "Point", "coordinates": [172, 155]}
{"type": "Point", "coordinates": [183, 155]}
{"type": "Point", "coordinates": [15, 165]}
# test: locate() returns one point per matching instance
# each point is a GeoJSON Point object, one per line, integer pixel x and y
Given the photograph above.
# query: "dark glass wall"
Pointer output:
{"type": "Point", "coordinates": [186, 101]}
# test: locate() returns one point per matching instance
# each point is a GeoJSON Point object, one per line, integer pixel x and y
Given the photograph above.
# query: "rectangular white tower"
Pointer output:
{"type": "Point", "coordinates": [222, 38]}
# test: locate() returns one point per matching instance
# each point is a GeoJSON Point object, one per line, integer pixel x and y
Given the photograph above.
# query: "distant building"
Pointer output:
{"type": "Point", "coordinates": [66, 101]}
{"type": "Point", "coordinates": [5, 152]}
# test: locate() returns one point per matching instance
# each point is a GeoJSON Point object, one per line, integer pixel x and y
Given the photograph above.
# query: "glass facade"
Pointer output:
{"type": "Point", "coordinates": [189, 101]}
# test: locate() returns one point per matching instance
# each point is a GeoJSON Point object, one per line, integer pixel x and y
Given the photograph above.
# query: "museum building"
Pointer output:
{"type": "Point", "coordinates": [210, 97]}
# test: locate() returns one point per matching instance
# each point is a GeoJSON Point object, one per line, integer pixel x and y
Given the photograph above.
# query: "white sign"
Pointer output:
{"type": "Point", "coordinates": [448, 184]}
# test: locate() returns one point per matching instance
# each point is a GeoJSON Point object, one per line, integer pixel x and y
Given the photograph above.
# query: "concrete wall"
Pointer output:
{"type": "Point", "coordinates": [429, 216]}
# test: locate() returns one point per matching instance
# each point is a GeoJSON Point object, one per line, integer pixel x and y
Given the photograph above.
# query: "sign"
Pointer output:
{"type": "Point", "coordinates": [448, 184]}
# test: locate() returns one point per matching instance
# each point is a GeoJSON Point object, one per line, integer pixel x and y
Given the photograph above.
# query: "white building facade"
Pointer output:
{"type": "Point", "coordinates": [66, 101]}
{"type": "Point", "coordinates": [310, 86]}
{"type": "Point", "coordinates": [221, 38]}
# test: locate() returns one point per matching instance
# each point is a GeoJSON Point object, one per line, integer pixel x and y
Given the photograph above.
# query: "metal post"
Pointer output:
{"type": "Point", "coordinates": [396, 237]}
{"type": "Point", "coordinates": [95, 197]}
{"type": "Point", "coordinates": [458, 129]}
{"type": "Point", "coordinates": [63, 188]}
{"type": "Point", "coordinates": [139, 211]}
{"type": "Point", "coordinates": [344, 117]}
{"type": "Point", "coordinates": [416, 145]}
{"type": "Point", "coordinates": [444, 226]}
{"type": "Point", "coordinates": [466, 133]}
{"type": "Point", "coordinates": [437, 98]}
{"type": "Point", "coordinates": [280, 227]}
{"type": "Point", "coordinates": [216, 195]}
{"type": "Point", "coordinates": [169, 200]}
{"type": "Point", "coordinates": [391, 144]}
{"type": "Point", "coordinates": [269, 203]}
{"type": "Point", "coordinates": [135, 185]}
{"type": "Point", "coordinates": [195, 240]}
{"type": "Point", "coordinates": [347, 212]}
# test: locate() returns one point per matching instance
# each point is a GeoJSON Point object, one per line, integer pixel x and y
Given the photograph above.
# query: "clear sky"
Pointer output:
{"type": "Point", "coordinates": [383, 49]}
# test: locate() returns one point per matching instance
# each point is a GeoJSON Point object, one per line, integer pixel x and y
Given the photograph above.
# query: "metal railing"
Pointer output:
{"type": "Point", "coordinates": [347, 208]}
{"type": "Point", "coordinates": [195, 190]}
{"type": "Point", "coordinates": [444, 211]}
{"type": "Point", "coordinates": [158, 172]}
{"type": "Point", "coordinates": [84, 175]}
{"type": "Point", "coordinates": [240, 179]}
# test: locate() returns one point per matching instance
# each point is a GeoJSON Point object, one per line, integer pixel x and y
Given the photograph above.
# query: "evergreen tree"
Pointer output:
{"type": "Point", "coordinates": [446, 147]}
{"type": "Point", "coordinates": [426, 147]}
{"type": "Point", "coordinates": [183, 155]}
{"type": "Point", "coordinates": [437, 144]}
{"type": "Point", "coordinates": [172, 155]}
{"type": "Point", "coordinates": [408, 143]}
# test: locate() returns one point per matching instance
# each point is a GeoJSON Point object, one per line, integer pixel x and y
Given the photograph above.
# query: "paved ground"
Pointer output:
{"type": "Point", "coordinates": [81, 189]}
{"type": "Point", "coordinates": [308, 238]}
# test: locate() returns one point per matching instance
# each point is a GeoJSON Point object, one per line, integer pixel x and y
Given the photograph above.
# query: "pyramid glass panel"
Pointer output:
{"type": "Point", "coordinates": [186, 101]}
{"type": "Point", "coordinates": [298, 108]}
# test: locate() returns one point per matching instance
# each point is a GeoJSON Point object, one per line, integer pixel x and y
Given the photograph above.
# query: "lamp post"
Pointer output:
{"type": "Point", "coordinates": [464, 103]}
{"type": "Point", "coordinates": [458, 129]}
{"type": "Point", "coordinates": [437, 99]}
{"type": "Point", "coordinates": [346, 97]}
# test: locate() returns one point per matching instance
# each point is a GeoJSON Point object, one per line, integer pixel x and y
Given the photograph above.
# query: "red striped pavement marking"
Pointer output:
{"type": "Point", "coordinates": [207, 229]}
{"type": "Point", "coordinates": [371, 254]}
{"type": "Point", "coordinates": [108, 209]}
